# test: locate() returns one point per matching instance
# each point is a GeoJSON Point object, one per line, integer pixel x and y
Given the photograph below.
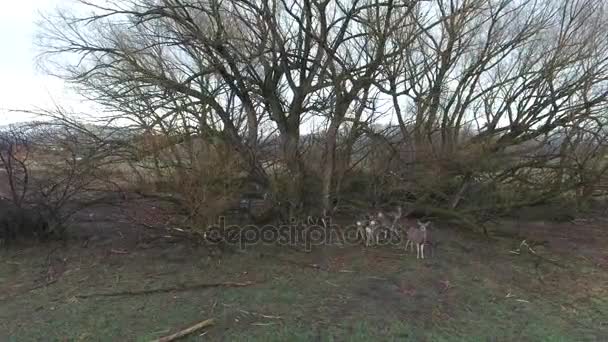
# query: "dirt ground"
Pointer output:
{"type": "Point", "coordinates": [118, 280]}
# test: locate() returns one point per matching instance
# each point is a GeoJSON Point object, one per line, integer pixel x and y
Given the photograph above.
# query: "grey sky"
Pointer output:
{"type": "Point", "coordinates": [22, 86]}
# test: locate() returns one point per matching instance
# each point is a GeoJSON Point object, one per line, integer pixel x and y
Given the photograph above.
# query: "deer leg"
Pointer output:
{"type": "Point", "coordinates": [422, 250]}
{"type": "Point", "coordinates": [397, 234]}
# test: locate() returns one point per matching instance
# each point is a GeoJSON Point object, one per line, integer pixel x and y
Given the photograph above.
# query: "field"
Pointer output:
{"type": "Point", "coordinates": [474, 288]}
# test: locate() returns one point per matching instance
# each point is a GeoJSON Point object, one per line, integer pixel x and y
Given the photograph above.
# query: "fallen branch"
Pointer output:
{"type": "Point", "coordinates": [187, 331]}
{"type": "Point", "coordinates": [259, 314]}
{"type": "Point", "coordinates": [551, 261]}
{"type": "Point", "coordinates": [539, 257]}
{"type": "Point", "coordinates": [181, 288]}
{"type": "Point", "coordinates": [44, 284]}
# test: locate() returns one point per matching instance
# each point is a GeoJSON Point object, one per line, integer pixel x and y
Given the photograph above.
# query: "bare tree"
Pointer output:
{"type": "Point", "coordinates": [479, 87]}
{"type": "Point", "coordinates": [14, 154]}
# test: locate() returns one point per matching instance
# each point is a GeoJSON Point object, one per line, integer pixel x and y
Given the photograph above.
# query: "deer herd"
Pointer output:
{"type": "Point", "coordinates": [16, 221]}
{"type": "Point", "coordinates": [373, 225]}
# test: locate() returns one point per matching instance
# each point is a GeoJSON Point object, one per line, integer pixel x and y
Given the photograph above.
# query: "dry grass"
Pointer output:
{"type": "Point", "coordinates": [472, 289]}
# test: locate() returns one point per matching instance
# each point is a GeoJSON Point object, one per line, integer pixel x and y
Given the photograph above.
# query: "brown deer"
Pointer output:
{"type": "Point", "coordinates": [402, 223]}
{"type": "Point", "coordinates": [389, 220]}
{"type": "Point", "coordinates": [361, 225]}
{"type": "Point", "coordinates": [368, 230]}
{"type": "Point", "coordinates": [419, 236]}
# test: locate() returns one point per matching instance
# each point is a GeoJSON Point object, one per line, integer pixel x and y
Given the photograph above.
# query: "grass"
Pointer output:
{"type": "Point", "coordinates": [472, 289]}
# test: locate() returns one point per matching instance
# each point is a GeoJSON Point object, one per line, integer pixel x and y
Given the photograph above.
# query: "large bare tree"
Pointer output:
{"type": "Point", "coordinates": [469, 81]}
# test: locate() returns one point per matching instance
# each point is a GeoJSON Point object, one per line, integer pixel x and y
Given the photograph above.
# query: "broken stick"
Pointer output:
{"type": "Point", "coordinates": [187, 331]}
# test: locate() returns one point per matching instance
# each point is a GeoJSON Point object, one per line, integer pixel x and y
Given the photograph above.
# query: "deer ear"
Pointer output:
{"type": "Point", "coordinates": [419, 223]}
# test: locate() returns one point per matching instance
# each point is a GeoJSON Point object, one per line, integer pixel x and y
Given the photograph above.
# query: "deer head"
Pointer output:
{"type": "Point", "coordinates": [423, 225]}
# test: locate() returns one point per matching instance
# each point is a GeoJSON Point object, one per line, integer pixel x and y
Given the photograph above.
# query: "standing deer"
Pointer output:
{"type": "Point", "coordinates": [361, 224]}
{"type": "Point", "coordinates": [371, 233]}
{"type": "Point", "coordinates": [389, 220]}
{"type": "Point", "coordinates": [403, 223]}
{"type": "Point", "coordinates": [419, 236]}
{"type": "Point", "coordinates": [367, 229]}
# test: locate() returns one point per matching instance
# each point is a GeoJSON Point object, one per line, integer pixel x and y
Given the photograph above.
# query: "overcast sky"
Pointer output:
{"type": "Point", "coordinates": [22, 86]}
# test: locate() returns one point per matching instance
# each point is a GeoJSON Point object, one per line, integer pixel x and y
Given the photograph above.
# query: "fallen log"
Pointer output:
{"type": "Point", "coordinates": [180, 288]}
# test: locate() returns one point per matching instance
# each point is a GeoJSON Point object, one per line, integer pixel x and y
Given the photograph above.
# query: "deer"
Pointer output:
{"type": "Point", "coordinates": [419, 236]}
{"type": "Point", "coordinates": [390, 220]}
{"type": "Point", "coordinates": [361, 224]}
{"type": "Point", "coordinates": [401, 222]}
{"type": "Point", "coordinates": [367, 229]}
{"type": "Point", "coordinates": [371, 233]}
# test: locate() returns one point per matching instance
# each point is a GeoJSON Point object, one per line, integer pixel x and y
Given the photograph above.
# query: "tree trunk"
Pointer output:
{"type": "Point", "coordinates": [291, 154]}
{"type": "Point", "coordinates": [329, 162]}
